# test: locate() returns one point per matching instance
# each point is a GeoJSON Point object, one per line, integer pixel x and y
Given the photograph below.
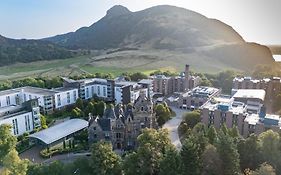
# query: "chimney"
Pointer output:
{"type": "Point", "coordinates": [186, 72]}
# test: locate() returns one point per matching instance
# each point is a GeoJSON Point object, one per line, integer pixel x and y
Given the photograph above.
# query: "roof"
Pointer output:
{"type": "Point", "coordinates": [250, 93]}
{"type": "Point", "coordinates": [145, 81]}
{"type": "Point", "coordinates": [40, 91]}
{"type": "Point", "coordinates": [60, 131]}
{"type": "Point", "coordinates": [8, 92]}
{"type": "Point", "coordinates": [105, 124]}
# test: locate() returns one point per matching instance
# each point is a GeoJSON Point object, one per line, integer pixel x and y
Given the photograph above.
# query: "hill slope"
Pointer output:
{"type": "Point", "coordinates": [12, 51]}
{"type": "Point", "coordinates": [157, 27]}
{"type": "Point", "coordinates": [172, 29]}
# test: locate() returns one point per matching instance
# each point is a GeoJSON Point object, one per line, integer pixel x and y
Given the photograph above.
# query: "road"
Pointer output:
{"type": "Point", "coordinates": [172, 126]}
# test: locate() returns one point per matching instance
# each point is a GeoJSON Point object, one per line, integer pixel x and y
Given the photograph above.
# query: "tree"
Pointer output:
{"type": "Point", "coordinates": [100, 107]}
{"type": "Point", "coordinates": [43, 121]}
{"type": "Point", "coordinates": [103, 160]}
{"type": "Point", "coordinates": [13, 164]}
{"type": "Point", "coordinates": [190, 157]}
{"type": "Point", "coordinates": [212, 135]}
{"type": "Point", "coordinates": [228, 154]}
{"type": "Point", "coordinates": [211, 162]}
{"type": "Point", "coordinates": [79, 103]}
{"type": "Point", "coordinates": [131, 164]}
{"type": "Point", "coordinates": [163, 114]}
{"type": "Point", "coordinates": [89, 109]}
{"type": "Point", "coordinates": [7, 141]}
{"type": "Point", "coordinates": [264, 169]}
{"type": "Point", "coordinates": [191, 118]}
{"type": "Point", "coordinates": [270, 149]}
{"type": "Point", "coordinates": [250, 152]}
{"type": "Point", "coordinates": [138, 76]}
{"type": "Point", "coordinates": [9, 158]}
{"type": "Point", "coordinates": [77, 113]}
{"type": "Point", "coordinates": [170, 164]}
{"type": "Point", "coordinates": [153, 145]}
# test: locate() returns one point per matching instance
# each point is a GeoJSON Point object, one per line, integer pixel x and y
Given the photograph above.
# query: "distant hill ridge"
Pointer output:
{"type": "Point", "coordinates": [190, 36]}
{"type": "Point", "coordinates": [164, 27]}
{"type": "Point", "coordinates": [13, 51]}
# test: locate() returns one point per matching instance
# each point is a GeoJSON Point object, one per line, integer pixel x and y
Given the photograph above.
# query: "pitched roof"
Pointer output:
{"type": "Point", "coordinates": [105, 124]}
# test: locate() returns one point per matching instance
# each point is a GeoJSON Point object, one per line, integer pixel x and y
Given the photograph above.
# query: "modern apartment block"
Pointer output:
{"type": "Point", "coordinates": [272, 86]}
{"type": "Point", "coordinates": [196, 97]}
{"type": "Point", "coordinates": [168, 85]}
{"type": "Point", "coordinates": [245, 109]}
{"type": "Point", "coordinates": [127, 92]}
{"type": "Point", "coordinates": [88, 88]}
{"type": "Point", "coordinates": [23, 118]}
{"type": "Point", "coordinates": [48, 99]}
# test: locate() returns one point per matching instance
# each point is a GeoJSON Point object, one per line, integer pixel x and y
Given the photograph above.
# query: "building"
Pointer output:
{"type": "Point", "coordinates": [59, 133]}
{"type": "Point", "coordinates": [196, 97]}
{"type": "Point", "coordinates": [48, 99]}
{"type": "Point", "coordinates": [122, 125]}
{"type": "Point", "coordinates": [23, 118]}
{"type": "Point", "coordinates": [93, 87]}
{"type": "Point", "coordinates": [147, 84]}
{"type": "Point", "coordinates": [245, 110]}
{"type": "Point", "coordinates": [169, 85]}
{"type": "Point", "coordinates": [272, 86]}
{"type": "Point", "coordinates": [127, 92]}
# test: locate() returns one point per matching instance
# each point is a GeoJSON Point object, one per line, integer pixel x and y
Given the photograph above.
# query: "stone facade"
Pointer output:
{"type": "Point", "coordinates": [122, 125]}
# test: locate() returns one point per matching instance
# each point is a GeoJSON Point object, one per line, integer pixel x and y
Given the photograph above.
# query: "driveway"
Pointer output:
{"type": "Point", "coordinates": [172, 126]}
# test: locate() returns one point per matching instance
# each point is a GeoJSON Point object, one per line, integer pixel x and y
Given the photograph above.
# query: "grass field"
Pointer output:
{"type": "Point", "coordinates": [145, 61]}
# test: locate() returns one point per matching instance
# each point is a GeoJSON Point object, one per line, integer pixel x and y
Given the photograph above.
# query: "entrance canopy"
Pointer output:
{"type": "Point", "coordinates": [60, 131]}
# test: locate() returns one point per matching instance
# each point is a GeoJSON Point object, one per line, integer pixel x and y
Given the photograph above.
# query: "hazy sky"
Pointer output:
{"type": "Point", "coordinates": [256, 20]}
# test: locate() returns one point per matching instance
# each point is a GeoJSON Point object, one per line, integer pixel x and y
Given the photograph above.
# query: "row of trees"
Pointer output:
{"type": "Point", "coordinates": [204, 152]}
{"type": "Point", "coordinates": [35, 82]}
{"type": "Point", "coordinates": [83, 108]}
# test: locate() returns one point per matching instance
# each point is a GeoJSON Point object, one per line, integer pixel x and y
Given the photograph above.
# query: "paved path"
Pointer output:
{"type": "Point", "coordinates": [172, 126]}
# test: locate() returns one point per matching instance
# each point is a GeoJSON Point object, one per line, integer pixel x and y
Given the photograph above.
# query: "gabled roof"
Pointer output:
{"type": "Point", "coordinates": [105, 124]}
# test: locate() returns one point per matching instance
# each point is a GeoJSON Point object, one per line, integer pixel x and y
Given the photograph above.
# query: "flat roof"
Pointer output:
{"type": "Point", "coordinates": [9, 91]}
{"type": "Point", "coordinates": [62, 130]}
{"type": "Point", "coordinates": [39, 91]}
{"type": "Point", "coordinates": [146, 81]}
{"type": "Point", "coordinates": [250, 93]}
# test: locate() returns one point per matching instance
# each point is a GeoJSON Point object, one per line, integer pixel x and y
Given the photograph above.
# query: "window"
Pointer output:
{"type": "Point", "coordinates": [30, 97]}
{"type": "Point", "coordinates": [15, 127]}
{"type": "Point", "coordinates": [99, 90]}
{"type": "Point", "coordinates": [8, 100]}
{"type": "Point", "coordinates": [92, 90]}
{"type": "Point", "coordinates": [87, 92]}
{"type": "Point", "coordinates": [106, 135]}
{"type": "Point", "coordinates": [95, 135]}
{"type": "Point", "coordinates": [118, 135]}
{"type": "Point", "coordinates": [142, 108]}
{"type": "Point", "coordinates": [68, 97]}
{"type": "Point", "coordinates": [27, 123]}
{"type": "Point", "coordinates": [95, 128]}
{"type": "Point", "coordinates": [104, 91]}
{"type": "Point", "coordinates": [59, 100]}
{"type": "Point", "coordinates": [74, 95]}
{"type": "Point", "coordinates": [0, 103]}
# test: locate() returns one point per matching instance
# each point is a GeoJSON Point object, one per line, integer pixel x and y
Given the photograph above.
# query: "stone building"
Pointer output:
{"type": "Point", "coordinates": [122, 125]}
{"type": "Point", "coordinates": [168, 85]}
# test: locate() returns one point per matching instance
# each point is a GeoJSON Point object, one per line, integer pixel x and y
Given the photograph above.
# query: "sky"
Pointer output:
{"type": "Point", "coordinates": [255, 20]}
